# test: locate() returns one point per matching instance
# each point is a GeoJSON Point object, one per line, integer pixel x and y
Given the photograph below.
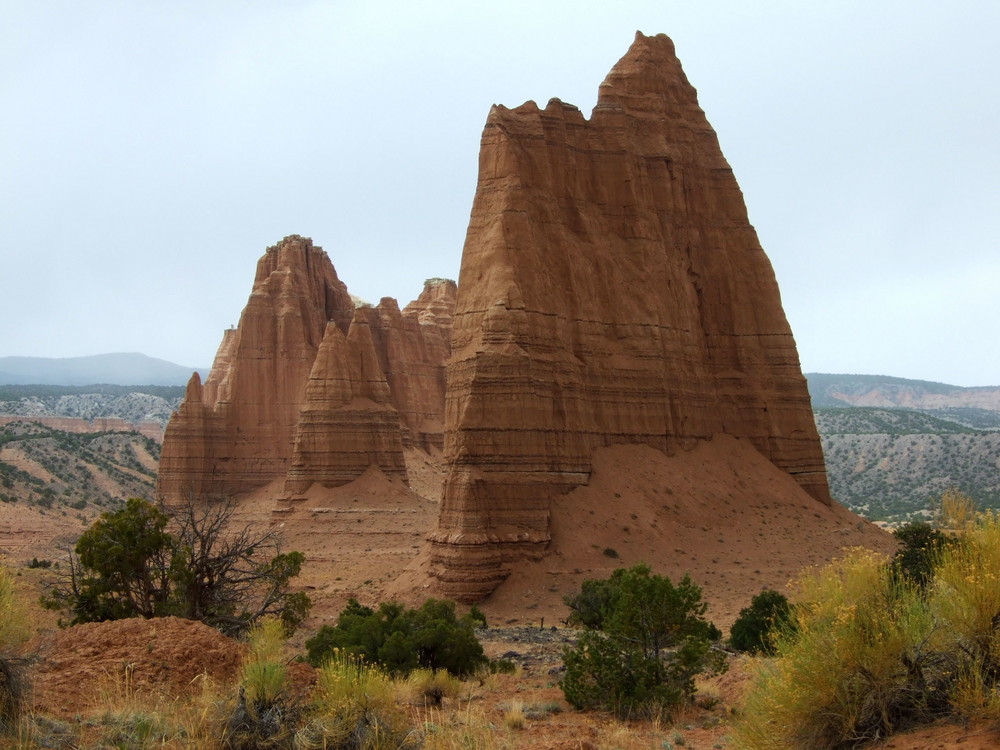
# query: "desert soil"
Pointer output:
{"type": "Point", "coordinates": [721, 513]}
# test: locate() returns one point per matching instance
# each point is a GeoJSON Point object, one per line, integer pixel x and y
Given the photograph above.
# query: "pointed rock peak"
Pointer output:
{"type": "Point", "coordinates": [388, 304]}
{"type": "Point", "coordinates": [436, 303]}
{"type": "Point", "coordinates": [557, 106]}
{"type": "Point", "coordinates": [193, 393]}
{"type": "Point", "coordinates": [292, 248]}
{"type": "Point", "coordinates": [500, 113]}
{"type": "Point", "coordinates": [611, 284]}
{"type": "Point", "coordinates": [293, 252]}
{"type": "Point", "coordinates": [364, 316]}
{"type": "Point", "coordinates": [291, 240]}
{"type": "Point", "coordinates": [649, 78]}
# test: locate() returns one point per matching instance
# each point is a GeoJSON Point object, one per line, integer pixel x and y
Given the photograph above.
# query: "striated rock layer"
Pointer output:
{"type": "Point", "coordinates": [612, 290]}
{"type": "Point", "coordinates": [309, 389]}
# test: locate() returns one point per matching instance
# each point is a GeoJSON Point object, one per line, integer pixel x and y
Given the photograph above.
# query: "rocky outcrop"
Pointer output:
{"type": "Point", "coordinates": [612, 290]}
{"type": "Point", "coordinates": [348, 422]}
{"type": "Point", "coordinates": [309, 389]}
{"type": "Point", "coordinates": [248, 411]}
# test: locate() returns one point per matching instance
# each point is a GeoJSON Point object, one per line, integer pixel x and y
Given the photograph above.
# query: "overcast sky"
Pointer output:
{"type": "Point", "coordinates": [150, 151]}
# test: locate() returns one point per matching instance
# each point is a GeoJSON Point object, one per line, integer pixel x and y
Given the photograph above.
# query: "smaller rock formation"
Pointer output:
{"type": "Point", "coordinates": [348, 421]}
{"type": "Point", "coordinates": [309, 389]}
{"type": "Point", "coordinates": [241, 425]}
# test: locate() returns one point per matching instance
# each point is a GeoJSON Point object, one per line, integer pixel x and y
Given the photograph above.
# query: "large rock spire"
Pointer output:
{"type": "Point", "coordinates": [612, 290]}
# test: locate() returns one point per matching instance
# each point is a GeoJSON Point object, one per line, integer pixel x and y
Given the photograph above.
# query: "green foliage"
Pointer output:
{"type": "Point", "coordinates": [476, 618]}
{"type": "Point", "coordinates": [875, 652]}
{"type": "Point", "coordinates": [127, 557]}
{"type": "Point", "coordinates": [595, 599]}
{"type": "Point", "coordinates": [920, 544]}
{"type": "Point", "coordinates": [401, 639]}
{"type": "Point", "coordinates": [354, 706]}
{"type": "Point", "coordinates": [145, 561]}
{"type": "Point", "coordinates": [263, 716]}
{"type": "Point", "coordinates": [756, 626]}
{"type": "Point", "coordinates": [434, 685]}
{"type": "Point", "coordinates": [645, 641]}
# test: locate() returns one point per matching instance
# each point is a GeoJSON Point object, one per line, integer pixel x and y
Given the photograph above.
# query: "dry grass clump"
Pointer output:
{"type": "Point", "coordinates": [263, 715]}
{"type": "Point", "coordinates": [957, 512]}
{"type": "Point", "coordinates": [617, 735]}
{"type": "Point", "coordinates": [875, 654]}
{"type": "Point", "coordinates": [433, 685]}
{"type": "Point", "coordinates": [354, 705]}
{"type": "Point", "coordinates": [13, 632]}
{"type": "Point", "coordinates": [467, 729]}
{"type": "Point", "coordinates": [513, 716]}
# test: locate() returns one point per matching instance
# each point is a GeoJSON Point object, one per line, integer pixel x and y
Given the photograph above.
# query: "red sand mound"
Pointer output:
{"type": "Point", "coordinates": [721, 512]}
{"type": "Point", "coordinates": [79, 666]}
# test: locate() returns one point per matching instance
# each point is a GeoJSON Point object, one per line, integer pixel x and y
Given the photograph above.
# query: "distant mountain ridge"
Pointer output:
{"type": "Point", "coordinates": [835, 390]}
{"type": "Point", "coordinates": [129, 369]}
{"type": "Point", "coordinates": [135, 405]}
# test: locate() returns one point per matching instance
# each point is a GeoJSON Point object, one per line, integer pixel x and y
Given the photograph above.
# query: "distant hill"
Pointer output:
{"type": "Point", "coordinates": [115, 369]}
{"type": "Point", "coordinates": [893, 446]}
{"type": "Point", "coordinates": [893, 464]}
{"type": "Point", "coordinates": [60, 471]}
{"type": "Point", "coordinates": [827, 390]}
{"type": "Point", "coordinates": [136, 405]}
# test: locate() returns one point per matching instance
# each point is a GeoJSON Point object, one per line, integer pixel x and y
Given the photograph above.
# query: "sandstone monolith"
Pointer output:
{"type": "Point", "coordinates": [612, 290]}
{"type": "Point", "coordinates": [308, 389]}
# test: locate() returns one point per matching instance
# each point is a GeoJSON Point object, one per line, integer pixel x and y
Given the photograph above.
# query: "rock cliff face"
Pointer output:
{"type": "Point", "coordinates": [309, 389]}
{"type": "Point", "coordinates": [612, 290]}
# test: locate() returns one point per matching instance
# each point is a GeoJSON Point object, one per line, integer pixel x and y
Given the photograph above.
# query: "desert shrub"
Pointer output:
{"type": "Point", "coordinates": [401, 639]}
{"type": "Point", "coordinates": [965, 597]}
{"type": "Point", "coordinates": [513, 715]}
{"type": "Point", "coordinates": [354, 707]}
{"type": "Point", "coordinates": [756, 626]}
{"type": "Point", "coordinates": [147, 561]}
{"type": "Point", "coordinates": [122, 566]}
{"type": "Point", "coordinates": [920, 544]}
{"type": "Point", "coordinates": [956, 511]}
{"type": "Point", "coordinates": [651, 642]}
{"type": "Point", "coordinates": [863, 662]}
{"type": "Point", "coordinates": [263, 716]}
{"type": "Point", "coordinates": [434, 685]}
{"type": "Point", "coordinates": [503, 666]}
{"type": "Point", "coordinates": [591, 604]}
{"type": "Point", "coordinates": [13, 632]}
{"type": "Point", "coordinates": [476, 618]}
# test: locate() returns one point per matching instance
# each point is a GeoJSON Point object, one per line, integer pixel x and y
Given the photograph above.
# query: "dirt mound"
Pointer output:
{"type": "Point", "coordinates": [82, 665]}
{"type": "Point", "coordinates": [721, 512]}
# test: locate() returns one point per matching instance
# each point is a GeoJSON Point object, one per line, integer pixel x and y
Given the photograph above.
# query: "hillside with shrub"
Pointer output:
{"type": "Point", "coordinates": [891, 464]}
{"type": "Point", "coordinates": [55, 470]}
{"type": "Point", "coordinates": [133, 404]}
